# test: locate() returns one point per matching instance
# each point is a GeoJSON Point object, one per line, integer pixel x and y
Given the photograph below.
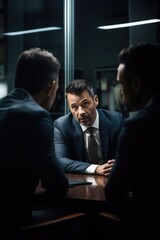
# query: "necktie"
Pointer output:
{"type": "Point", "coordinates": [92, 146]}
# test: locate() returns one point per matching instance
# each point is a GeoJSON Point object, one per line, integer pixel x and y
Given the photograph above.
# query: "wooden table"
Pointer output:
{"type": "Point", "coordinates": [91, 192]}
{"type": "Point", "coordinates": [86, 197]}
{"type": "Point", "coordinates": [89, 200]}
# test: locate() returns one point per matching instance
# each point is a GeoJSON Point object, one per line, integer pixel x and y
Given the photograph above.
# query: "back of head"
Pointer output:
{"type": "Point", "coordinates": [35, 69]}
{"type": "Point", "coordinates": [77, 86]}
{"type": "Point", "coordinates": [142, 60]}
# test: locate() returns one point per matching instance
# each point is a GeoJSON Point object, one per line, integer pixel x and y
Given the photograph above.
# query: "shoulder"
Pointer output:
{"type": "Point", "coordinates": [23, 104]}
{"type": "Point", "coordinates": [67, 124]}
{"type": "Point", "coordinates": [32, 114]}
{"type": "Point", "coordinates": [64, 119]}
{"type": "Point", "coordinates": [110, 114]}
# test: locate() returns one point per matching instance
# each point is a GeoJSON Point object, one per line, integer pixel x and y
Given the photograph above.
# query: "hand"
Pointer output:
{"type": "Point", "coordinates": [105, 168]}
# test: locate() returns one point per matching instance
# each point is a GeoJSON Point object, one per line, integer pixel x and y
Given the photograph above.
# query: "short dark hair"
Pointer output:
{"type": "Point", "coordinates": [35, 69]}
{"type": "Point", "coordinates": [77, 86]}
{"type": "Point", "coordinates": [143, 60]}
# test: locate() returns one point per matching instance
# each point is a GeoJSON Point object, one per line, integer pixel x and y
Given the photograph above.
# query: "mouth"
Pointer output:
{"type": "Point", "coordinates": [84, 120]}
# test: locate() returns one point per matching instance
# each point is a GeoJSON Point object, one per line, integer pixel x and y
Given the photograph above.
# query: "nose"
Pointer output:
{"type": "Point", "coordinates": [81, 110]}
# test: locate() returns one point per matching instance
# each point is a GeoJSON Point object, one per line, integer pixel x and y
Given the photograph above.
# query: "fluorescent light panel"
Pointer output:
{"type": "Point", "coordinates": [31, 31]}
{"type": "Point", "coordinates": [131, 24]}
{"type": "Point", "coordinates": [114, 26]}
{"type": "Point", "coordinates": [3, 90]}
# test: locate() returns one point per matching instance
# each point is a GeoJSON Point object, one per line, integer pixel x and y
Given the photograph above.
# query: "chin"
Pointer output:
{"type": "Point", "coordinates": [84, 123]}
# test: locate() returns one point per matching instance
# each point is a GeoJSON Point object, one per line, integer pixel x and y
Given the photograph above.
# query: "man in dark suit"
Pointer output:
{"type": "Point", "coordinates": [71, 138]}
{"type": "Point", "coordinates": [26, 129]}
{"type": "Point", "coordinates": [135, 175]}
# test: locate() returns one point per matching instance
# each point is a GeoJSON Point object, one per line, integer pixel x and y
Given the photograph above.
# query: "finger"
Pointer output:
{"type": "Point", "coordinates": [111, 161]}
{"type": "Point", "coordinates": [107, 170]}
{"type": "Point", "coordinates": [106, 174]}
{"type": "Point", "coordinates": [108, 166]}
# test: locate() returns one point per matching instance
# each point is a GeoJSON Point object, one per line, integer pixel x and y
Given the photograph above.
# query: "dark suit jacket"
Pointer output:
{"type": "Point", "coordinates": [26, 153]}
{"type": "Point", "coordinates": [69, 140]}
{"type": "Point", "coordinates": [137, 164]}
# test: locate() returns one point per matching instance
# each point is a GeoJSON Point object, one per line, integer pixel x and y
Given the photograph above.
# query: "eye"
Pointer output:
{"type": "Point", "coordinates": [74, 107]}
{"type": "Point", "coordinates": [85, 104]}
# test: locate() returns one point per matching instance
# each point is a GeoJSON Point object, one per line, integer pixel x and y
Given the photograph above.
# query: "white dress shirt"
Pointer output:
{"type": "Point", "coordinates": [91, 169]}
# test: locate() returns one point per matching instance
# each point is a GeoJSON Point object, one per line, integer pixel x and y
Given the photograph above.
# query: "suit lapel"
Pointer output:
{"type": "Point", "coordinates": [79, 141]}
{"type": "Point", "coordinates": [104, 136]}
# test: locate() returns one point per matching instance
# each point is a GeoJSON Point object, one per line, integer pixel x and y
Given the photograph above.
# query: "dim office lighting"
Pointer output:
{"type": "Point", "coordinates": [131, 24]}
{"type": "Point", "coordinates": [31, 31]}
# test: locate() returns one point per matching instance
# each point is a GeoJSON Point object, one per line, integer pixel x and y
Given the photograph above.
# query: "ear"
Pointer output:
{"type": "Point", "coordinates": [50, 87]}
{"type": "Point", "coordinates": [96, 100]}
{"type": "Point", "coordinates": [136, 84]}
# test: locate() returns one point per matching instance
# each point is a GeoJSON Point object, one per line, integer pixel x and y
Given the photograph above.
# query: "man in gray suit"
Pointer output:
{"type": "Point", "coordinates": [71, 138]}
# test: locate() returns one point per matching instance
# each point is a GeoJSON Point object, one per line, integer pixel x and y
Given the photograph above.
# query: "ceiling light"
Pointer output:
{"type": "Point", "coordinates": [31, 31]}
{"type": "Point", "coordinates": [131, 24]}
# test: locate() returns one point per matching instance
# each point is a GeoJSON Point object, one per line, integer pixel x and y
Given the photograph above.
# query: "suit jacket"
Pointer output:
{"type": "Point", "coordinates": [136, 168]}
{"type": "Point", "coordinates": [69, 140]}
{"type": "Point", "coordinates": [26, 153]}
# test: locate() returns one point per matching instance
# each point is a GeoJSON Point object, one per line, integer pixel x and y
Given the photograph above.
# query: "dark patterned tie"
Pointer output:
{"type": "Point", "coordinates": [92, 146]}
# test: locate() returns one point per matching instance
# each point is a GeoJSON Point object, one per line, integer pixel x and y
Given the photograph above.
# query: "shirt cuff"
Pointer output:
{"type": "Point", "coordinates": [91, 169]}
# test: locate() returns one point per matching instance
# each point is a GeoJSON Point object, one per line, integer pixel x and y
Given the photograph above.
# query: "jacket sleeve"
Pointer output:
{"type": "Point", "coordinates": [68, 152]}
{"type": "Point", "coordinates": [47, 165]}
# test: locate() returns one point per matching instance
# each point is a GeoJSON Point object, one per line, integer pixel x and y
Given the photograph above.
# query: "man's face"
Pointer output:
{"type": "Point", "coordinates": [127, 90]}
{"type": "Point", "coordinates": [83, 107]}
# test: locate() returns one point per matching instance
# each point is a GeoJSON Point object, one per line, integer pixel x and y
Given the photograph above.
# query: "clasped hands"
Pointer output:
{"type": "Point", "coordinates": [105, 168]}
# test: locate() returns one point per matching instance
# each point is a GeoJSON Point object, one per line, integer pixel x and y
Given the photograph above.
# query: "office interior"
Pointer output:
{"type": "Point", "coordinates": [84, 50]}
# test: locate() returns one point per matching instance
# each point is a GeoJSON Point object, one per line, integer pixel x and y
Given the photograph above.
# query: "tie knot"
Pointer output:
{"type": "Point", "coordinates": [90, 130]}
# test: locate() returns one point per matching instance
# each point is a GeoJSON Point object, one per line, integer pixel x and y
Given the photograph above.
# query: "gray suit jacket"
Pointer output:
{"type": "Point", "coordinates": [69, 140]}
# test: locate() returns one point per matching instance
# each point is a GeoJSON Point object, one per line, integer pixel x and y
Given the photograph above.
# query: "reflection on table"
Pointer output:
{"type": "Point", "coordinates": [88, 200]}
{"type": "Point", "coordinates": [91, 192]}
{"type": "Point", "coordinates": [88, 197]}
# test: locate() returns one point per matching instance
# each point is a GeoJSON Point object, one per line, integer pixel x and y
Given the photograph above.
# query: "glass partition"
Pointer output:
{"type": "Point", "coordinates": [70, 29]}
{"type": "Point", "coordinates": [96, 49]}
{"type": "Point", "coordinates": [33, 23]}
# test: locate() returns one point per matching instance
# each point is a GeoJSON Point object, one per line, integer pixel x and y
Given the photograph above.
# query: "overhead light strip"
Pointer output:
{"type": "Point", "coordinates": [131, 24]}
{"type": "Point", "coordinates": [31, 31]}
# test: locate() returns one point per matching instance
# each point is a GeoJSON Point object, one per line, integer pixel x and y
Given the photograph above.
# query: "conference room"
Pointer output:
{"type": "Point", "coordinates": [86, 36]}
